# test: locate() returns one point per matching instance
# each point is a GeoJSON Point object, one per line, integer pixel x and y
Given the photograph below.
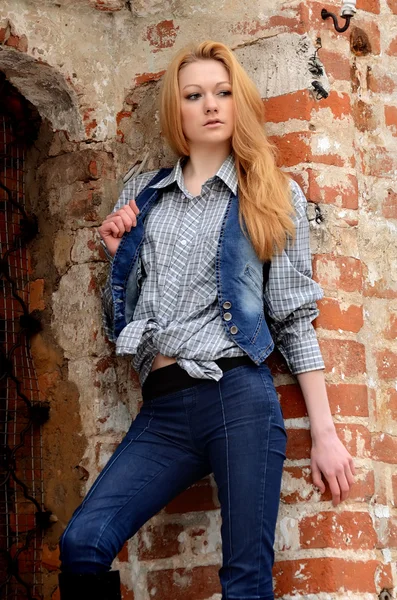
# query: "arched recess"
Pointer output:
{"type": "Point", "coordinates": [46, 89]}
{"type": "Point", "coordinates": [35, 101]}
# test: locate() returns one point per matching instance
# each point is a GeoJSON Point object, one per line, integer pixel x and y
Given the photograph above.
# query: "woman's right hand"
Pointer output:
{"type": "Point", "coordinates": [116, 224]}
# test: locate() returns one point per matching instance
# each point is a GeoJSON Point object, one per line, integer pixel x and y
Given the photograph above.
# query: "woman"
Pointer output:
{"type": "Point", "coordinates": [210, 263]}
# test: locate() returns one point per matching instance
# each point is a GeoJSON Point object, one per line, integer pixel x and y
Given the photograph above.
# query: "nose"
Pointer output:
{"type": "Point", "coordinates": [211, 105]}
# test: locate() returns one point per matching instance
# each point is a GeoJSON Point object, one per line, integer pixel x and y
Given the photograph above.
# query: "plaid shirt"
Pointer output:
{"type": "Point", "coordinates": [177, 313]}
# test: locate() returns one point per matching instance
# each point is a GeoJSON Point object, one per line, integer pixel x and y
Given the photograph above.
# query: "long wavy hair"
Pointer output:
{"type": "Point", "coordinates": [264, 191]}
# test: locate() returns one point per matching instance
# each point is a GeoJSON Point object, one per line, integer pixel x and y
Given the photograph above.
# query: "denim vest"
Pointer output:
{"type": "Point", "coordinates": [239, 278]}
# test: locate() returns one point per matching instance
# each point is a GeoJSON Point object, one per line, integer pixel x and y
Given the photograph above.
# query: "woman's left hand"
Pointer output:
{"type": "Point", "coordinates": [330, 459]}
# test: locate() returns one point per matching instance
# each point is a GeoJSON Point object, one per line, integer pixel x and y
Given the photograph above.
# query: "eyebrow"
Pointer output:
{"type": "Point", "coordinates": [199, 86]}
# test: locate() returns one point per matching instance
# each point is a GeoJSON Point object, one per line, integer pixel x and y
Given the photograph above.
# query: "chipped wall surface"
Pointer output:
{"type": "Point", "coordinates": [92, 69]}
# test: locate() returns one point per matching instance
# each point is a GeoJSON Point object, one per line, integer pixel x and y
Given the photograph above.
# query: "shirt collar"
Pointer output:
{"type": "Point", "coordinates": [227, 173]}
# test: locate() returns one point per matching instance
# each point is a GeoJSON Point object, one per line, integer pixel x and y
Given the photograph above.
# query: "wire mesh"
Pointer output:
{"type": "Point", "coordinates": [21, 490]}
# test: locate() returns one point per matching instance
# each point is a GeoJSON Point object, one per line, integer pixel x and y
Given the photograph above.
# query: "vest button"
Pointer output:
{"type": "Point", "coordinates": [227, 316]}
{"type": "Point", "coordinates": [233, 329]}
{"type": "Point", "coordinates": [227, 305]}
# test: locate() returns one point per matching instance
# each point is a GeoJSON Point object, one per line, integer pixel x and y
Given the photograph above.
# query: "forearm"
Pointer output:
{"type": "Point", "coordinates": [312, 384]}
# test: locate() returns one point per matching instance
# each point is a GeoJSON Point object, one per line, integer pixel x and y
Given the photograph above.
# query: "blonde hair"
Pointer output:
{"type": "Point", "coordinates": [264, 191]}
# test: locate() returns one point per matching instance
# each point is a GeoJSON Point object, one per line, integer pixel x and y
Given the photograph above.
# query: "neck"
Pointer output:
{"type": "Point", "coordinates": [204, 162]}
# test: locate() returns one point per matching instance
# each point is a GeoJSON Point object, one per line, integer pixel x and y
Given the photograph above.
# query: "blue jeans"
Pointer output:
{"type": "Point", "coordinates": [233, 428]}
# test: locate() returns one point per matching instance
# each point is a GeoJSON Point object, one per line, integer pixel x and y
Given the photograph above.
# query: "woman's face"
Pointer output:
{"type": "Point", "coordinates": [207, 106]}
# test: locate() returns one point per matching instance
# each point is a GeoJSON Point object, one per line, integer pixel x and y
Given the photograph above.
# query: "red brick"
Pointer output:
{"type": "Point", "coordinates": [379, 83]}
{"type": "Point", "coordinates": [377, 161]}
{"type": "Point", "coordinates": [338, 272]}
{"type": "Point", "coordinates": [276, 363]}
{"type": "Point", "coordinates": [392, 49]}
{"type": "Point", "coordinates": [123, 555]}
{"type": "Point", "coordinates": [393, 6]}
{"type": "Point", "coordinates": [390, 538]}
{"type": "Point", "coordinates": [391, 119]}
{"type": "Point", "coordinates": [338, 102]}
{"type": "Point", "coordinates": [364, 117]}
{"type": "Point", "coordinates": [333, 316]}
{"type": "Point", "coordinates": [328, 575]}
{"type": "Point", "coordinates": [199, 583]}
{"type": "Point", "coordinates": [36, 295]}
{"type": "Point", "coordinates": [348, 399]}
{"type": "Point", "coordinates": [292, 402]}
{"type": "Point", "coordinates": [347, 530]}
{"type": "Point", "coordinates": [198, 497]}
{"type": "Point", "coordinates": [343, 357]}
{"type": "Point", "coordinates": [380, 289]}
{"type": "Point", "coordinates": [293, 148]}
{"type": "Point", "coordinates": [159, 541]}
{"type": "Point", "coordinates": [369, 6]}
{"type": "Point", "coordinates": [391, 403]}
{"type": "Point", "coordinates": [301, 104]}
{"type": "Point", "coordinates": [343, 193]}
{"type": "Point", "coordinates": [384, 448]}
{"type": "Point", "coordinates": [298, 444]}
{"type": "Point", "coordinates": [162, 35]}
{"type": "Point", "coordinates": [298, 23]}
{"type": "Point", "coordinates": [355, 437]}
{"type": "Point", "coordinates": [386, 362]}
{"type": "Point", "coordinates": [296, 105]}
{"type": "Point", "coordinates": [126, 593]}
{"type": "Point", "coordinates": [335, 64]}
{"type": "Point", "coordinates": [389, 207]}
{"type": "Point", "coordinates": [142, 78]}
{"type": "Point", "coordinates": [300, 480]}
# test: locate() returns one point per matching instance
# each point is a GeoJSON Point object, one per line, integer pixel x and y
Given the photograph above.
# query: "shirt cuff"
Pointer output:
{"type": "Point", "coordinates": [302, 353]}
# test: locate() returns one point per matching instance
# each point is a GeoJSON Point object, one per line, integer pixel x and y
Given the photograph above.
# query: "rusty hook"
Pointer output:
{"type": "Point", "coordinates": [325, 14]}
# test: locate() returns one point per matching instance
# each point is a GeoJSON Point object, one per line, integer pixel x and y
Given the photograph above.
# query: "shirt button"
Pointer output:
{"type": "Point", "coordinates": [227, 305]}
{"type": "Point", "coordinates": [183, 242]}
{"type": "Point", "coordinates": [233, 329]}
{"type": "Point", "coordinates": [227, 316]}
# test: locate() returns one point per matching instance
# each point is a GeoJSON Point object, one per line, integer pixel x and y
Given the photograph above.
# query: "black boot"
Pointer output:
{"type": "Point", "coordinates": [87, 586]}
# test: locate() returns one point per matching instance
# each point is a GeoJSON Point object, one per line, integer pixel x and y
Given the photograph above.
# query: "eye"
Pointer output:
{"type": "Point", "coordinates": [192, 96]}
{"type": "Point", "coordinates": [225, 93]}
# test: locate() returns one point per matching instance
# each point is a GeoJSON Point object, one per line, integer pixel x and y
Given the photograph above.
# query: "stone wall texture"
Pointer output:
{"type": "Point", "coordinates": [92, 70]}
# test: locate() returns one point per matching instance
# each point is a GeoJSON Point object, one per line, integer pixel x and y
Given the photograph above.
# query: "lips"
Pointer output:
{"type": "Point", "coordinates": [212, 122]}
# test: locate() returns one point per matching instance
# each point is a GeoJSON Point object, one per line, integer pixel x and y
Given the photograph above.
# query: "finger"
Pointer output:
{"type": "Point", "coordinates": [120, 224]}
{"type": "Point", "coordinates": [316, 476]}
{"type": "Point", "coordinates": [343, 486]}
{"type": "Point", "coordinates": [131, 215]}
{"type": "Point", "coordinates": [109, 229]}
{"type": "Point", "coordinates": [126, 218]}
{"type": "Point", "coordinates": [335, 489]}
{"type": "Point", "coordinates": [134, 207]}
{"type": "Point", "coordinates": [349, 474]}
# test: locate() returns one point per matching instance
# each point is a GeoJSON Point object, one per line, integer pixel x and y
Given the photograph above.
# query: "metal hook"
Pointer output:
{"type": "Point", "coordinates": [325, 14]}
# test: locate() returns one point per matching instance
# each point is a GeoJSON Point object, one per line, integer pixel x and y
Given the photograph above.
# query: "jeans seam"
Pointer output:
{"type": "Point", "coordinates": [131, 498]}
{"type": "Point", "coordinates": [101, 476]}
{"type": "Point", "coordinates": [264, 486]}
{"type": "Point", "coordinates": [228, 488]}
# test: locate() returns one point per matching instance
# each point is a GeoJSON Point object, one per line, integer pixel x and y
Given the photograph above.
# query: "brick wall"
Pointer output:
{"type": "Point", "coordinates": [108, 57]}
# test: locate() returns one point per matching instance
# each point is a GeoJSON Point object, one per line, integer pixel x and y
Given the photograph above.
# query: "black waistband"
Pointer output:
{"type": "Point", "coordinates": [173, 378]}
